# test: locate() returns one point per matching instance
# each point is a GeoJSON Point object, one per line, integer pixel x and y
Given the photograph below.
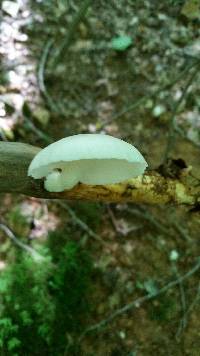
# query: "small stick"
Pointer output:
{"type": "Point", "coordinates": [138, 302]}
{"type": "Point", "coordinates": [172, 128]}
{"type": "Point", "coordinates": [20, 244]}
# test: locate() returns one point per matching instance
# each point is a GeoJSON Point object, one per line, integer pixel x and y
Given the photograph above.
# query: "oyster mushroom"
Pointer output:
{"type": "Point", "coordinates": [87, 158]}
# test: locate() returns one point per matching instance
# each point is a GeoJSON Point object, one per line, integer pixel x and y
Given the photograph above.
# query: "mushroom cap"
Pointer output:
{"type": "Point", "coordinates": [96, 159]}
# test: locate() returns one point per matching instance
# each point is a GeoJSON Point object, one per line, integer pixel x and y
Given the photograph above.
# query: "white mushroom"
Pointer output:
{"type": "Point", "coordinates": [86, 158]}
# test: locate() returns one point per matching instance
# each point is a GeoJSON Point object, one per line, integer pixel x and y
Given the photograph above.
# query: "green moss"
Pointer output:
{"type": "Point", "coordinates": [42, 303]}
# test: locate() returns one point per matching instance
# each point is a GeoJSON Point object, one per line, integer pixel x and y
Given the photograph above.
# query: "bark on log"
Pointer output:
{"type": "Point", "coordinates": [152, 188]}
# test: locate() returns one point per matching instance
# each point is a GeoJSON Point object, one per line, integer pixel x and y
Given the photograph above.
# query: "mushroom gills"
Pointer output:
{"type": "Point", "coordinates": [69, 178]}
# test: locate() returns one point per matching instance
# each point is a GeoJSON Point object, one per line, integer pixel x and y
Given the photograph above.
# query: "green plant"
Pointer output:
{"type": "Point", "coordinates": [42, 303]}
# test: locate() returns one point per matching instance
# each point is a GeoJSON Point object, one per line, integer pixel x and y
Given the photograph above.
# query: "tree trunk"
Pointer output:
{"type": "Point", "coordinates": [152, 188]}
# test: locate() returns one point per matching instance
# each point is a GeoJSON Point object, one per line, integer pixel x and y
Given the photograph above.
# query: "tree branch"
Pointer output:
{"type": "Point", "coordinates": [152, 188]}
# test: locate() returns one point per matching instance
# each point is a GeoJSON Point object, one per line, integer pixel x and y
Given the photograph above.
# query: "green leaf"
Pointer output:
{"type": "Point", "coordinates": [150, 287]}
{"type": "Point", "coordinates": [121, 43]}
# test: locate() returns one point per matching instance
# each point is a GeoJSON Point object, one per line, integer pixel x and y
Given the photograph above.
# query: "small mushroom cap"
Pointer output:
{"type": "Point", "coordinates": [93, 158]}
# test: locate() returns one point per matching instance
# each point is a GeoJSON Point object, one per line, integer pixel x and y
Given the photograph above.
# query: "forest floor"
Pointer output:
{"type": "Point", "coordinates": [61, 77]}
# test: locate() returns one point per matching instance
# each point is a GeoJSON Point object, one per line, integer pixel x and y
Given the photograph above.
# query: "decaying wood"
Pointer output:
{"type": "Point", "coordinates": [152, 188]}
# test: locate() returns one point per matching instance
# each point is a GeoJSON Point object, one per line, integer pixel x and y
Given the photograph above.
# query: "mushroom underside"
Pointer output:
{"type": "Point", "coordinates": [93, 171]}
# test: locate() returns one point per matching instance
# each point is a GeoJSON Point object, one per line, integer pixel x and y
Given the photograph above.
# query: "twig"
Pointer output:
{"type": "Point", "coordinates": [182, 231]}
{"type": "Point", "coordinates": [41, 75]}
{"type": "Point", "coordinates": [147, 216]}
{"type": "Point", "coordinates": [143, 100]}
{"type": "Point", "coordinates": [183, 321]}
{"type": "Point", "coordinates": [196, 299]}
{"type": "Point", "coordinates": [15, 158]}
{"type": "Point", "coordinates": [43, 61]}
{"type": "Point", "coordinates": [20, 244]}
{"type": "Point", "coordinates": [137, 303]}
{"type": "Point", "coordinates": [172, 119]}
{"type": "Point", "coordinates": [124, 111]}
{"type": "Point", "coordinates": [38, 132]}
{"type": "Point", "coordinates": [185, 317]}
{"type": "Point", "coordinates": [79, 222]}
{"type": "Point", "coordinates": [67, 41]}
